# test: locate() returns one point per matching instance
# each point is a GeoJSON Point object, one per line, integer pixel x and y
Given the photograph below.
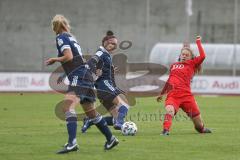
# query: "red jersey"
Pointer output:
{"type": "Point", "coordinates": [181, 74]}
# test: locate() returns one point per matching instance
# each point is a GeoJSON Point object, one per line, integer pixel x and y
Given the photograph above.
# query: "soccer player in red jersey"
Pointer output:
{"type": "Point", "coordinates": [178, 88]}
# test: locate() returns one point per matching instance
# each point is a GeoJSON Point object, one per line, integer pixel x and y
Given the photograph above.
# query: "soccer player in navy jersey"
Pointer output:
{"type": "Point", "coordinates": [81, 86]}
{"type": "Point", "coordinates": [107, 91]}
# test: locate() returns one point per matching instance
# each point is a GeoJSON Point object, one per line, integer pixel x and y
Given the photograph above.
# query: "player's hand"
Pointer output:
{"type": "Point", "coordinates": [50, 61]}
{"type": "Point", "coordinates": [159, 98]}
{"type": "Point", "coordinates": [199, 38]}
{"type": "Point", "coordinates": [98, 72]}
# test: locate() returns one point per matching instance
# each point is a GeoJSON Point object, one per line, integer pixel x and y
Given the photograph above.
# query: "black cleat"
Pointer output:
{"type": "Point", "coordinates": [109, 145]}
{"type": "Point", "coordinates": [206, 130]}
{"type": "Point", "coordinates": [165, 132]}
{"type": "Point", "coordinates": [86, 124]}
{"type": "Point", "coordinates": [67, 148]}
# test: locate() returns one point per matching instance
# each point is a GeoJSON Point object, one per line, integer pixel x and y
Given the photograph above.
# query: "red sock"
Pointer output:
{"type": "Point", "coordinates": [167, 122]}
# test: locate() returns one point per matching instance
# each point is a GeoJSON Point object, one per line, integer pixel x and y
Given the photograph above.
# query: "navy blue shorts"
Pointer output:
{"type": "Point", "coordinates": [106, 92]}
{"type": "Point", "coordinates": [82, 84]}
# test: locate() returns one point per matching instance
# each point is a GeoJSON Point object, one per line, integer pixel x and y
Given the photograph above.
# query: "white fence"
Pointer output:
{"type": "Point", "coordinates": [218, 56]}
{"type": "Point", "coordinates": [39, 82]}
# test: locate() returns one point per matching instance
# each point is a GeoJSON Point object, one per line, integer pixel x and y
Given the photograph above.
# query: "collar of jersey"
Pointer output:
{"type": "Point", "coordinates": [103, 49]}
{"type": "Point", "coordinates": [64, 33]}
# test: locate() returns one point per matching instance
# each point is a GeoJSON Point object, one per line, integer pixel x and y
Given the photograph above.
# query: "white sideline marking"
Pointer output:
{"type": "Point", "coordinates": [208, 95]}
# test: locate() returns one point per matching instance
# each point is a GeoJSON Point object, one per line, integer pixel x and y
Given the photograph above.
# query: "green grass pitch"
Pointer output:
{"type": "Point", "coordinates": [29, 130]}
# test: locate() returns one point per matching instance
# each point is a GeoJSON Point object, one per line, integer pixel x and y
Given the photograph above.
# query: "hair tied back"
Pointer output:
{"type": "Point", "coordinates": [109, 33]}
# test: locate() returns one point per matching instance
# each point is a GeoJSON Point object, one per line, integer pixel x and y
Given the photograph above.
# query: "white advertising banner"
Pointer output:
{"type": "Point", "coordinates": [214, 84]}
{"type": "Point", "coordinates": [15, 81]}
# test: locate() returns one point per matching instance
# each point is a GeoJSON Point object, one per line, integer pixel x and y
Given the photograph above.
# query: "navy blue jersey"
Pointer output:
{"type": "Point", "coordinates": [67, 41]}
{"type": "Point", "coordinates": [105, 63]}
{"type": "Point", "coordinates": [79, 75]}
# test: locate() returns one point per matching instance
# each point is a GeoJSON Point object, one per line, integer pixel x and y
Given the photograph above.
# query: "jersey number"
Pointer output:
{"type": "Point", "coordinates": [78, 48]}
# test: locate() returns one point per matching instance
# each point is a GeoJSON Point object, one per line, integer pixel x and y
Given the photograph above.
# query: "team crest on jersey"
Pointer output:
{"type": "Point", "coordinates": [60, 42]}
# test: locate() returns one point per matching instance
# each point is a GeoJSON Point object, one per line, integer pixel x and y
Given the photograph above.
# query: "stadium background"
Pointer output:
{"type": "Point", "coordinates": [27, 39]}
{"type": "Point", "coordinates": [156, 28]}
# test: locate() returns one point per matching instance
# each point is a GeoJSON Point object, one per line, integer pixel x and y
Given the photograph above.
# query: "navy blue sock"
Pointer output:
{"type": "Point", "coordinates": [71, 128]}
{"type": "Point", "coordinates": [109, 120]}
{"type": "Point", "coordinates": [102, 126]}
{"type": "Point", "coordinates": [90, 122]}
{"type": "Point", "coordinates": [122, 112]}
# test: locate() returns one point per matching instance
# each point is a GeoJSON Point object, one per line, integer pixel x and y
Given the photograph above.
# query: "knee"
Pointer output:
{"type": "Point", "coordinates": [116, 102]}
{"type": "Point", "coordinates": [170, 110]}
{"type": "Point", "coordinates": [71, 115]}
{"type": "Point", "coordinates": [67, 105]}
{"type": "Point", "coordinates": [70, 102]}
{"type": "Point", "coordinates": [90, 111]}
{"type": "Point", "coordinates": [71, 96]}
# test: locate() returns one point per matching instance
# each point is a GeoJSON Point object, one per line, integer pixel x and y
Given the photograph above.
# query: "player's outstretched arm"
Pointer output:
{"type": "Point", "coordinates": [199, 59]}
{"type": "Point", "coordinates": [67, 56]}
{"type": "Point", "coordinates": [167, 87]}
{"type": "Point", "coordinates": [200, 48]}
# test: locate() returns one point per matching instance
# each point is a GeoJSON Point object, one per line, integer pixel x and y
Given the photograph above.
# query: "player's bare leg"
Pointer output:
{"type": "Point", "coordinates": [123, 98]}
{"type": "Point", "coordinates": [199, 125]}
{"type": "Point", "coordinates": [170, 111]}
{"type": "Point", "coordinates": [90, 110]}
{"type": "Point", "coordinates": [73, 102]}
{"type": "Point", "coordinates": [114, 111]}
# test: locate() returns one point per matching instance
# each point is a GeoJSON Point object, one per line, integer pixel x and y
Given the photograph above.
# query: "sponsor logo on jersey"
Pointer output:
{"type": "Point", "coordinates": [177, 66]}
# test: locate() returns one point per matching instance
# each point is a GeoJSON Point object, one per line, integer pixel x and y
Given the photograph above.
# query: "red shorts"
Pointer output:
{"type": "Point", "coordinates": [187, 103]}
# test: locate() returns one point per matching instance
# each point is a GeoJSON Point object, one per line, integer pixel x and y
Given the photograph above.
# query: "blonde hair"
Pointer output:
{"type": "Point", "coordinates": [60, 24]}
{"type": "Point", "coordinates": [198, 69]}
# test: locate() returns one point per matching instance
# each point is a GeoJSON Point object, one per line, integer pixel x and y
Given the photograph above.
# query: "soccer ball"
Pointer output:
{"type": "Point", "coordinates": [129, 129]}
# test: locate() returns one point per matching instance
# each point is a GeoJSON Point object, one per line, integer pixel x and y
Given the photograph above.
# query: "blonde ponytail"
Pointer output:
{"type": "Point", "coordinates": [60, 24]}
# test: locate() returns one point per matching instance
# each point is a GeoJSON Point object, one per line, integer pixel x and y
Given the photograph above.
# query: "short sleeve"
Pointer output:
{"type": "Point", "coordinates": [100, 62]}
{"type": "Point", "coordinates": [99, 53]}
{"type": "Point", "coordinates": [63, 43]}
